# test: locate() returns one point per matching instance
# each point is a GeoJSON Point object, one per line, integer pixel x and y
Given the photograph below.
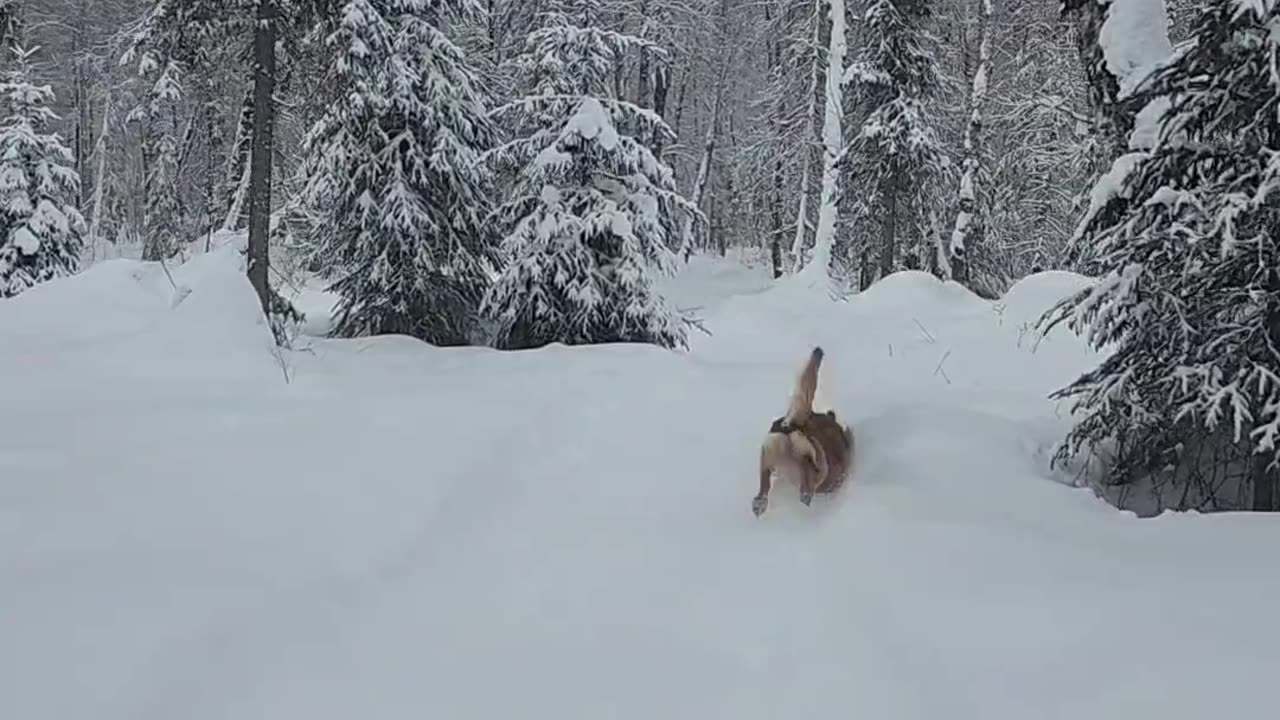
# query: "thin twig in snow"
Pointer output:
{"type": "Point", "coordinates": [928, 335]}
{"type": "Point", "coordinates": [939, 370]}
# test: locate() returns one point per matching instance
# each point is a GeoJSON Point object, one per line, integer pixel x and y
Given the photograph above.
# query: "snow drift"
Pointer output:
{"type": "Point", "coordinates": [392, 530]}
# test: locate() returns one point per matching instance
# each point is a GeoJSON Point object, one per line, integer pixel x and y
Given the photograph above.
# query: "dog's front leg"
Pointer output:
{"type": "Point", "coordinates": [761, 501]}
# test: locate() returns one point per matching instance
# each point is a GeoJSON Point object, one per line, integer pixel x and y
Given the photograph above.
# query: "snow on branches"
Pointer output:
{"type": "Point", "coordinates": [396, 191]}
{"type": "Point", "coordinates": [41, 231]}
{"type": "Point", "coordinates": [1188, 239]}
{"type": "Point", "coordinates": [592, 213]}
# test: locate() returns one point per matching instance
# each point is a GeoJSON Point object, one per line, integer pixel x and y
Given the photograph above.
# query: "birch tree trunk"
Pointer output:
{"type": "Point", "coordinates": [832, 145]}
{"type": "Point", "coordinates": [959, 268]}
{"type": "Point", "coordinates": [709, 141]}
{"type": "Point", "coordinates": [100, 177]}
{"type": "Point", "coordinates": [236, 174]}
{"type": "Point", "coordinates": [704, 175]}
{"type": "Point", "coordinates": [797, 244]}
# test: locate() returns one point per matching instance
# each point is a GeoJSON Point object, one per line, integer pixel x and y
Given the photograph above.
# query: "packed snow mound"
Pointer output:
{"type": "Point", "coordinates": [124, 312]}
{"type": "Point", "coordinates": [707, 280]}
{"type": "Point", "coordinates": [1029, 298]}
{"type": "Point", "coordinates": [107, 300]}
{"type": "Point", "coordinates": [394, 529]}
{"type": "Point", "coordinates": [909, 289]}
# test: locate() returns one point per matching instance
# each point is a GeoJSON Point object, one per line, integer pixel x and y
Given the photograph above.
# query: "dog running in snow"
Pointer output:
{"type": "Point", "coordinates": [814, 448]}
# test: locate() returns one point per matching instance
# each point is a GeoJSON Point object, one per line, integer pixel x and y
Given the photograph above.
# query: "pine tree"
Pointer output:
{"type": "Point", "coordinates": [161, 222]}
{"type": "Point", "coordinates": [41, 231]}
{"type": "Point", "coordinates": [593, 212]}
{"type": "Point", "coordinates": [396, 187]}
{"type": "Point", "coordinates": [188, 36]}
{"type": "Point", "coordinates": [1189, 241]}
{"type": "Point", "coordinates": [174, 38]}
{"type": "Point", "coordinates": [895, 158]}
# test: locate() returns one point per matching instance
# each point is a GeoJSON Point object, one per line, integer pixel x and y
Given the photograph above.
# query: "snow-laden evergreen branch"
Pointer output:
{"type": "Point", "coordinates": [41, 231]}
{"type": "Point", "coordinates": [396, 192]}
{"type": "Point", "coordinates": [1189, 242]}
{"type": "Point", "coordinates": [592, 212]}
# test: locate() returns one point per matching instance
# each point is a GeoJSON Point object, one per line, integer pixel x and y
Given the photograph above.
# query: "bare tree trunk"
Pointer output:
{"type": "Point", "coordinates": [889, 228]}
{"type": "Point", "coordinates": [236, 172]}
{"type": "Point", "coordinates": [264, 56]}
{"type": "Point", "coordinates": [824, 237]}
{"type": "Point", "coordinates": [1266, 480]}
{"type": "Point", "coordinates": [1264, 484]}
{"type": "Point", "coordinates": [775, 122]}
{"type": "Point", "coordinates": [681, 96]}
{"type": "Point", "coordinates": [958, 261]}
{"type": "Point", "coordinates": [644, 93]}
{"type": "Point", "coordinates": [100, 179]}
{"type": "Point", "coordinates": [661, 86]}
{"type": "Point", "coordinates": [81, 141]}
{"type": "Point", "coordinates": [213, 143]}
{"type": "Point", "coordinates": [709, 141]}
{"type": "Point", "coordinates": [797, 244]}
{"type": "Point", "coordinates": [704, 176]}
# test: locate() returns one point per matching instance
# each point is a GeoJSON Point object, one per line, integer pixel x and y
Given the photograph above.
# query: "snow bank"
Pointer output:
{"type": "Point", "coordinates": [707, 280]}
{"type": "Point", "coordinates": [914, 288]}
{"type": "Point", "coordinates": [126, 315]}
{"type": "Point", "coordinates": [566, 532]}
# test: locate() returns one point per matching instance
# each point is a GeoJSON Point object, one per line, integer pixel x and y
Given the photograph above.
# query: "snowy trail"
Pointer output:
{"type": "Point", "coordinates": [403, 532]}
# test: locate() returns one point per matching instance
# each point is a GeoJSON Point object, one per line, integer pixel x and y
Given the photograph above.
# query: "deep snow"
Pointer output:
{"type": "Point", "coordinates": [400, 531]}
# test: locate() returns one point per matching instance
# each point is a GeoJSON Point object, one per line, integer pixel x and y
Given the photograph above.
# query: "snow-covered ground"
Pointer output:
{"type": "Point", "coordinates": [193, 526]}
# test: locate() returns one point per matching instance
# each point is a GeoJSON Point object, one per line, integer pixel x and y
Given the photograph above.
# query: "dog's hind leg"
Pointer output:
{"type": "Point", "coordinates": [813, 464]}
{"type": "Point", "coordinates": [808, 482]}
{"type": "Point", "coordinates": [770, 454]}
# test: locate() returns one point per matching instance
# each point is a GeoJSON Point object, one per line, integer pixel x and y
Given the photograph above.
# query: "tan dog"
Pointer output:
{"type": "Point", "coordinates": [813, 446]}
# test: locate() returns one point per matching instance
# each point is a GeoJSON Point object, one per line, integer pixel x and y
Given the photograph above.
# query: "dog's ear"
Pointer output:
{"type": "Point", "coordinates": [806, 386]}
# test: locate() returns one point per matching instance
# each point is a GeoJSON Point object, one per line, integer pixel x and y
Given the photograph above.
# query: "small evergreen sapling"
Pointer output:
{"type": "Point", "coordinates": [593, 213]}
{"type": "Point", "coordinates": [395, 187]}
{"type": "Point", "coordinates": [41, 231]}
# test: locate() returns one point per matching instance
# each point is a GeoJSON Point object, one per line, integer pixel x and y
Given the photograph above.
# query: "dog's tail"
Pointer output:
{"type": "Point", "coordinates": [806, 386]}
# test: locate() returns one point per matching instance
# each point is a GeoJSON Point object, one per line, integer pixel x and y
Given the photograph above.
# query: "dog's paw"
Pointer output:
{"type": "Point", "coordinates": [806, 498]}
{"type": "Point", "coordinates": [758, 505]}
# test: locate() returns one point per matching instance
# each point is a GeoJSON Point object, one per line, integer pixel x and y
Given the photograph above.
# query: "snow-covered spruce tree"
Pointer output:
{"type": "Point", "coordinates": [592, 212]}
{"type": "Point", "coordinates": [41, 231]}
{"type": "Point", "coordinates": [396, 188]}
{"type": "Point", "coordinates": [171, 44]}
{"type": "Point", "coordinates": [895, 159]}
{"type": "Point", "coordinates": [1190, 300]}
{"type": "Point", "coordinates": [157, 115]}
